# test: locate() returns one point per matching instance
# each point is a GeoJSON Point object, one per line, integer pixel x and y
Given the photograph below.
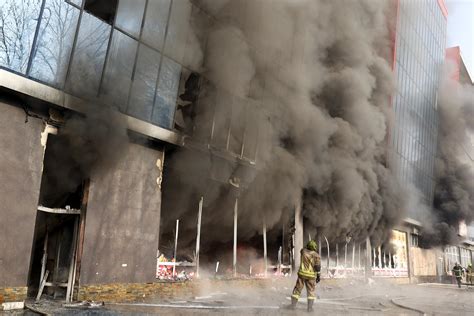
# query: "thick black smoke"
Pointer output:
{"type": "Point", "coordinates": [454, 192]}
{"type": "Point", "coordinates": [86, 144]}
{"type": "Point", "coordinates": [316, 80]}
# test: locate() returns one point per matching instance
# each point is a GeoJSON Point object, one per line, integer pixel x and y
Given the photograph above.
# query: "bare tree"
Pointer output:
{"type": "Point", "coordinates": [18, 21]}
{"type": "Point", "coordinates": [51, 55]}
{"type": "Point", "coordinates": [55, 39]}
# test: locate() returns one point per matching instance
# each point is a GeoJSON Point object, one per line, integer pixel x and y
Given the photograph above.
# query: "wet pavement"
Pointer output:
{"type": "Point", "coordinates": [351, 298]}
{"type": "Point", "coordinates": [348, 297]}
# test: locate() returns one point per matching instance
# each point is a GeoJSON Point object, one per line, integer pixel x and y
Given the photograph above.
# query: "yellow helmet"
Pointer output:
{"type": "Point", "coordinates": [312, 245]}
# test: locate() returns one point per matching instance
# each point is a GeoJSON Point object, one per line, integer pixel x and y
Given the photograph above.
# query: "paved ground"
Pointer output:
{"type": "Point", "coordinates": [348, 298]}
{"type": "Point", "coordinates": [351, 298]}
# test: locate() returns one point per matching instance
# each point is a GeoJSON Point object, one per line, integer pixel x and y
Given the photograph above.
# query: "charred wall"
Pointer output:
{"type": "Point", "coordinates": [123, 218]}
{"type": "Point", "coordinates": [21, 159]}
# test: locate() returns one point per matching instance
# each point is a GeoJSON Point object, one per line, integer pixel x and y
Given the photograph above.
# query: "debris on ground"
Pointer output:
{"type": "Point", "coordinates": [83, 304]}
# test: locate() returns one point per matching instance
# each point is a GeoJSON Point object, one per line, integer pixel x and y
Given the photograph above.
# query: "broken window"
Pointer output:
{"type": "Point", "coordinates": [103, 9]}
{"type": "Point", "coordinates": [188, 94]}
{"type": "Point", "coordinates": [414, 240]}
{"type": "Point", "coordinates": [62, 181]}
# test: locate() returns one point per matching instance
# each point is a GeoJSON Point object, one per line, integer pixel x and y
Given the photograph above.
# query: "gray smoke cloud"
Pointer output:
{"type": "Point", "coordinates": [87, 143]}
{"type": "Point", "coordinates": [316, 79]}
{"type": "Point", "coordinates": [454, 192]}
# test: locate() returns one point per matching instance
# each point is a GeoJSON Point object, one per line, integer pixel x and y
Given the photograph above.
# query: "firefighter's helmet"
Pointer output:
{"type": "Point", "coordinates": [312, 245]}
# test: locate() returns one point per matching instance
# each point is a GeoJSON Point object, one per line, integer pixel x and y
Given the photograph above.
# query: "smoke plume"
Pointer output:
{"type": "Point", "coordinates": [311, 82]}
{"type": "Point", "coordinates": [454, 192]}
{"type": "Point", "coordinates": [89, 143]}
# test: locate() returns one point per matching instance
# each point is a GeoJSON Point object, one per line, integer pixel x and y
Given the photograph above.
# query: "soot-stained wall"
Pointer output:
{"type": "Point", "coordinates": [123, 219]}
{"type": "Point", "coordinates": [21, 160]}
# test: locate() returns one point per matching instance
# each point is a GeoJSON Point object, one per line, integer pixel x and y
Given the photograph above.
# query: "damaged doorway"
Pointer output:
{"type": "Point", "coordinates": [60, 223]}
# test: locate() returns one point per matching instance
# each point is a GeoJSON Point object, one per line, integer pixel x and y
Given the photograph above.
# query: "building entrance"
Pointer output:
{"type": "Point", "coordinates": [59, 229]}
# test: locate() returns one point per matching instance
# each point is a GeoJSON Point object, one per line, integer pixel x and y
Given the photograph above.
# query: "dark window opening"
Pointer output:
{"type": "Point", "coordinates": [414, 240]}
{"type": "Point", "coordinates": [103, 9]}
{"type": "Point", "coordinates": [62, 184]}
{"type": "Point", "coordinates": [190, 85]}
{"type": "Point", "coordinates": [216, 233]}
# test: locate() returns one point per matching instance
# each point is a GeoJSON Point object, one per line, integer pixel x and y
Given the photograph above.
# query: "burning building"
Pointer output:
{"type": "Point", "coordinates": [423, 134]}
{"type": "Point", "coordinates": [454, 194]}
{"type": "Point", "coordinates": [420, 41]}
{"type": "Point", "coordinates": [221, 134]}
{"type": "Point", "coordinates": [88, 92]}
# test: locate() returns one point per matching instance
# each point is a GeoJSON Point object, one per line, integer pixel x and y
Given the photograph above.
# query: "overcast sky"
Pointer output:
{"type": "Point", "coordinates": [461, 29]}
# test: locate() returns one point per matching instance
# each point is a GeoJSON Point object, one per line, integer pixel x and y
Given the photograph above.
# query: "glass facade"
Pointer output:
{"type": "Point", "coordinates": [128, 54]}
{"type": "Point", "coordinates": [18, 23]}
{"type": "Point", "coordinates": [461, 255]}
{"type": "Point", "coordinates": [138, 56]}
{"type": "Point", "coordinates": [465, 256]}
{"type": "Point", "coordinates": [420, 47]}
{"type": "Point", "coordinates": [452, 256]}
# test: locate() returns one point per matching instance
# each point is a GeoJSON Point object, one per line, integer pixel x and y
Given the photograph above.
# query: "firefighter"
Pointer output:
{"type": "Point", "coordinates": [458, 272]}
{"type": "Point", "coordinates": [469, 273]}
{"type": "Point", "coordinates": [308, 274]}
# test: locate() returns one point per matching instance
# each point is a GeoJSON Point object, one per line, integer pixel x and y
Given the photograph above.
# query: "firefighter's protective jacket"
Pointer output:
{"type": "Point", "coordinates": [310, 264]}
{"type": "Point", "coordinates": [469, 270]}
{"type": "Point", "coordinates": [458, 271]}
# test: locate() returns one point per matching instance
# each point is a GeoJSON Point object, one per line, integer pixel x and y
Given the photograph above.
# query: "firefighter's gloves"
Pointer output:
{"type": "Point", "coordinates": [318, 279]}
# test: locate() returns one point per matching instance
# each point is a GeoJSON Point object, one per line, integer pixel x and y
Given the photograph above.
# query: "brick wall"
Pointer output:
{"type": "Point", "coordinates": [12, 294]}
{"type": "Point", "coordinates": [128, 292]}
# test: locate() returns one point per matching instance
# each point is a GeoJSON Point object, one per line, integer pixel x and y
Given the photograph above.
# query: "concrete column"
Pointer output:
{"type": "Point", "coordinates": [265, 247]}
{"type": "Point", "coordinates": [198, 235]}
{"type": "Point", "coordinates": [299, 233]}
{"type": "Point", "coordinates": [379, 262]}
{"type": "Point", "coordinates": [368, 258]}
{"type": "Point", "coordinates": [234, 261]}
{"type": "Point", "coordinates": [353, 255]}
{"type": "Point", "coordinates": [175, 247]}
{"type": "Point", "coordinates": [319, 245]}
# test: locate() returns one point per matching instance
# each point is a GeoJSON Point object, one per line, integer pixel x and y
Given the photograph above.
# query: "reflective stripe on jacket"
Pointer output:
{"type": "Point", "coordinates": [310, 264]}
{"type": "Point", "coordinates": [457, 271]}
